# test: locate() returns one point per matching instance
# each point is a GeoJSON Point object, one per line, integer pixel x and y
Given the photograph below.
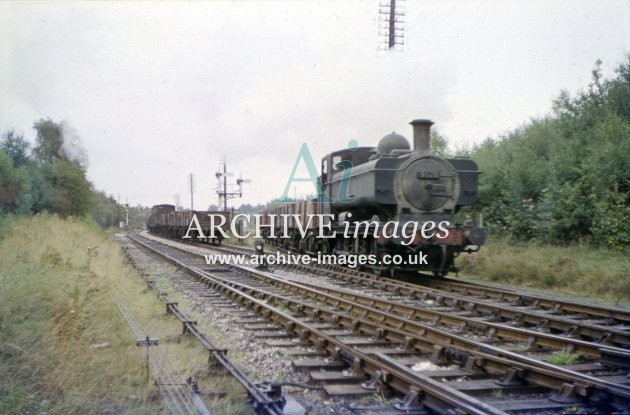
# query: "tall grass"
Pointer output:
{"type": "Point", "coordinates": [56, 306]}
{"type": "Point", "coordinates": [577, 270]}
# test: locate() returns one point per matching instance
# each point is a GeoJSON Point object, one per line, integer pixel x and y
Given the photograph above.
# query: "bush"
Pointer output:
{"type": "Point", "coordinates": [565, 177]}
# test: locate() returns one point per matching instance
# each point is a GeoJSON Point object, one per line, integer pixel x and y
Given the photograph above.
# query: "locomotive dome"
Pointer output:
{"type": "Point", "coordinates": [391, 142]}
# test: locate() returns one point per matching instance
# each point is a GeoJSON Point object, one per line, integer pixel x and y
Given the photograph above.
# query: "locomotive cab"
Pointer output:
{"type": "Point", "coordinates": [336, 161]}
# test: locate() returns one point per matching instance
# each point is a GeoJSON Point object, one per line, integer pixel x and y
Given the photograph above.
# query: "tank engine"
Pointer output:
{"type": "Point", "coordinates": [394, 183]}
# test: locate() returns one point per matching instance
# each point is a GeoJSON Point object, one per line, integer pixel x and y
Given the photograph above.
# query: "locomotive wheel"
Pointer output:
{"type": "Point", "coordinates": [441, 255]}
{"type": "Point", "coordinates": [311, 243]}
{"type": "Point", "coordinates": [324, 247]}
{"type": "Point", "coordinates": [379, 251]}
{"type": "Point", "coordinates": [364, 246]}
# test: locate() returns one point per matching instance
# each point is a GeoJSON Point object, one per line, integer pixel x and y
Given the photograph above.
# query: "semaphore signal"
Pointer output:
{"type": "Point", "coordinates": [222, 186]}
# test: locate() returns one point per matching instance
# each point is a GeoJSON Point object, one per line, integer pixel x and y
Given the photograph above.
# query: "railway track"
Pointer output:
{"type": "Point", "coordinates": [598, 325]}
{"type": "Point", "coordinates": [607, 316]}
{"type": "Point", "coordinates": [264, 400]}
{"type": "Point", "coordinates": [485, 366]}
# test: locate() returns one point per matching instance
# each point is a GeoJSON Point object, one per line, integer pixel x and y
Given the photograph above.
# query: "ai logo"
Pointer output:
{"type": "Point", "coordinates": [314, 177]}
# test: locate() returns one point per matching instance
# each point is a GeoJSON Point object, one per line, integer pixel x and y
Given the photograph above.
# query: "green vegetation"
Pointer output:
{"type": "Point", "coordinates": [520, 348]}
{"type": "Point", "coordinates": [53, 306]}
{"type": "Point", "coordinates": [51, 178]}
{"type": "Point", "coordinates": [564, 358]}
{"type": "Point", "coordinates": [566, 177]}
{"type": "Point", "coordinates": [64, 348]}
{"type": "Point", "coordinates": [579, 269]}
{"type": "Point", "coordinates": [555, 196]}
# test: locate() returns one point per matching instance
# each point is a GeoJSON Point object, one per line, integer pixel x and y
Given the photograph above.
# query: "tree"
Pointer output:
{"type": "Point", "coordinates": [58, 142]}
{"type": "Point", "coordinates": [61, 185]}
{"type": "Point", "coordinates": [49, 141]}
{"type": "Point", "coordinates": [566, 176]}
{"type": "Point", "coordinates": [70, 194]}
{"type": "Point", "coordinates": [16, 147]}
{"type": "Point", "coordinates": [9, 184]}
{"type": "Point", "coordinates": [439, 144]}
{"type": "Point", "coordinates": [16, 194]}
{"type": "Point", "coordinates": [105, 211]}
{"type": "Point", "coordinates": [138, 216]}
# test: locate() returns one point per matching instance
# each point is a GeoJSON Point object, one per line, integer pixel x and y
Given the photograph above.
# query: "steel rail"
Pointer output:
{"type": "Point", "coordinates": [470, 288]}
{"type": "Point", "coordinates": [403, 327]}
{"type": "Point", "coordinates": [173, 397]}
{"type": "Point", "coordinates": [489, 329]}
{"type": "Point", "coordinates": [400, 380]}
{"type": "Point", "coordinates": [262, 403]}
{"type": "Point", "coordinates": [498, 311]}
{"type": "Point", "coordinates": [537, 311]}
{"type": "Point", "coordinates": [513, 359]}
{"type": "Point", "coordinates": [535, 300]}
{"type": "Point", "coordinates": [384, 315]}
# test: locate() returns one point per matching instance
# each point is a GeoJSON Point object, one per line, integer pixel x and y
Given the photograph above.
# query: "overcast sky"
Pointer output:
{"type": "Point", "coordinates": [157, 91]}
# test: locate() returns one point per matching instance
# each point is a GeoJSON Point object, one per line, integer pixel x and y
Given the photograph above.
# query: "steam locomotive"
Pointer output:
{"type": "Point", "coordinates": [395, 209]}
{"type": "Point", "coordinates": [411, 190]}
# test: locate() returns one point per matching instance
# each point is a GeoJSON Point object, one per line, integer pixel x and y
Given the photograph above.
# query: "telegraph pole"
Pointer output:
{"type": "Point", "coordinates": [126, 214]}
{"type": "Point", "coordinates": [191, 193]}
{"type": "Point", "coordinates": [391, 24]}
{"type": "Point", "coordinates": [225, 194]}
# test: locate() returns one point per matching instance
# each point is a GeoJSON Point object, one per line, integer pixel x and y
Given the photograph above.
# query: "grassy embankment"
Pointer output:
{"type": "Point", "coordinates": [584, 272]}
{"type": "Point", "coordinates": [64, 348]}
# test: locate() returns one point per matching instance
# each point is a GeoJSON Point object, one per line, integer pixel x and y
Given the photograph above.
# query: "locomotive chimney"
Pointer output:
{"type": "Point", "coordinates": [421, 135]}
